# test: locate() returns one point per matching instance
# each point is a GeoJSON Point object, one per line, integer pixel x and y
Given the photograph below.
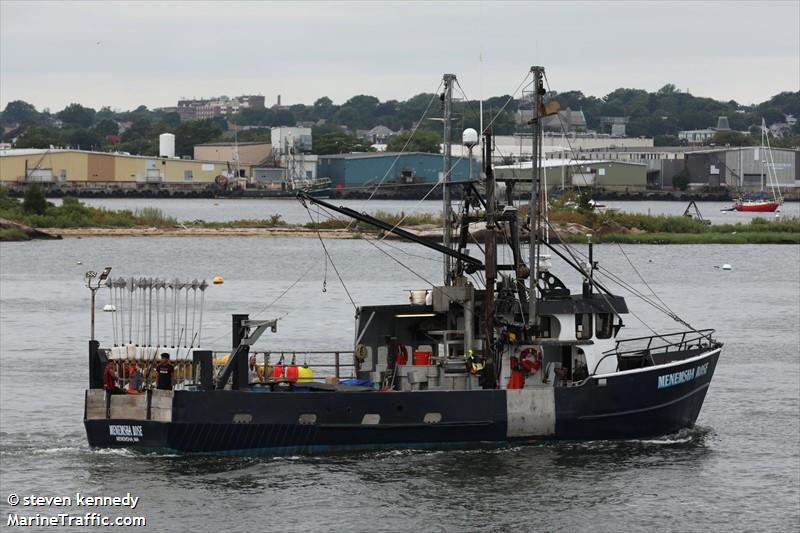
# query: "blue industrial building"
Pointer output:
{"type": "Point", "coordinates": [366, 169]}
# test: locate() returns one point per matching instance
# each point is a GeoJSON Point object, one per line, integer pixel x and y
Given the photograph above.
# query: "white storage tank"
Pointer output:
{"type": "Point", "coordinates": [166, 145]}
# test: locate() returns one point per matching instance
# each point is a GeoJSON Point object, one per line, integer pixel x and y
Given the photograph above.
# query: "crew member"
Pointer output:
{"type": "Point", "coordinates": [164, 373]}
{"type": "Point", "coordinates": [110, 379]}
{"type": "Point", "coordinates": [474, 364]}
{"type": "Point", "coordinates": [254, 373]}
{"type": "Point", "coordinates": [136, 379]}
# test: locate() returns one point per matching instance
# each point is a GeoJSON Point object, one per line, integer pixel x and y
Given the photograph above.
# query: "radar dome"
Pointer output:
{"type": "Point", "coordinates": [469, 137]}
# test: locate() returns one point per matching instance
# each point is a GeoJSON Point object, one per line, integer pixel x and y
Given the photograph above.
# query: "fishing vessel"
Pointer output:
{"type": "Point", "coordinates": [287, 188]}
{"type": "Point", "coordinates": [285, 182]}
{"type": "Point", "coordinates": [760, 202]}
{"type": "Point", "coordinates": [496, 354]}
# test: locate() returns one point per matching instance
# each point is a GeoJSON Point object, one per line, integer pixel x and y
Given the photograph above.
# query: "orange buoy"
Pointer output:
{"type": "Point", "coordinates": [402, 355]}
{"type": "Point", "coordinates": [516, 381]}
{"type": "Point", "coordinates": [277, 372]}
{"type": "Point", "coordinates": [292, 373]}
{"type": "Point", "coordinates": [422, 358]}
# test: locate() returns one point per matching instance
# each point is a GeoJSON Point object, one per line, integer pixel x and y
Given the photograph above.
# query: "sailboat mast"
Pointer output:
{"type": "Point", "coordinates": [236, 152]}
{"type": "Point", "coordinates": [762, 155]}
{"type": "Point", "coordinates": [533, 207]}
{"type": "Point", "coordinates": [769, 162]}
{"type": "Point", "coordinates": [449, 79]}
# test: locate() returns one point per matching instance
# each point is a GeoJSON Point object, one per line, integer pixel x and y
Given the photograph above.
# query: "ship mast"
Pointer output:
{"type": "Point", "coordinates": [447, 99]}
{"type": "Point", "coordinates": [533, 208]}
{"type": "Point", "coordinates": [490, 245]}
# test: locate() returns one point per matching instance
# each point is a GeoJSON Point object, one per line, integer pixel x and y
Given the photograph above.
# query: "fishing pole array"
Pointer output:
{"type": "Point", "coordinates": [152, 314]}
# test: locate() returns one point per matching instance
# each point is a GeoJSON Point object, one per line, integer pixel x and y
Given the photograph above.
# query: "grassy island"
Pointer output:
{"type": "Point", "coordinates": [571, 223]}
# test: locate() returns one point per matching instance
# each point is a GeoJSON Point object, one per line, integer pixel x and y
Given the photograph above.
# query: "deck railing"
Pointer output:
{"type": "Point", "coordinates": [659, 344]}
{"type": "Point", "coordinates": [187, 371]}
{"type": "Point", "coordinates": [332, 359]}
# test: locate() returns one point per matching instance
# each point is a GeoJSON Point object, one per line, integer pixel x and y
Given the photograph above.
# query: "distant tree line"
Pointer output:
{"type": "Point", "coordinates": [661, 115]}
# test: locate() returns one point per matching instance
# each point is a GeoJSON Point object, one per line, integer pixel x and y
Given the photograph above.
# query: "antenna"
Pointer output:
{"type": "Point", "coordinates": [93, 285]}
{"type": "Point", "coordinates": [480, 96]}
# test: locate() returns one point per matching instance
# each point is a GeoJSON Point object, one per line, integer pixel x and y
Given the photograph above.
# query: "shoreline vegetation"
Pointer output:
{"type": "Point", "coordinates": [34, 218]}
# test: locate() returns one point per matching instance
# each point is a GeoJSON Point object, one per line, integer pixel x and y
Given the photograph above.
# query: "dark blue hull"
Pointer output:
{"type": "Point", "coordinates": [633, 405]}
{"type": "Point", "coordinates": [639, 403]}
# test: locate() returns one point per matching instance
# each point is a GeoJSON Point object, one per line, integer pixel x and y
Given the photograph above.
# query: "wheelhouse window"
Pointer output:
{"type": "Point", "coordinates": [604, 325]}
{"type": "Point", "coordinates": [583, 326]}
{"type": "Point", "coordinates": [547, 328]}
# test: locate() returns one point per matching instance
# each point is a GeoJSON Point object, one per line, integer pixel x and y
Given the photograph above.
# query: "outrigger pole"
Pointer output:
{"type": "Point", "coordinates": [473, 264]}
{"type": "Point", "coordinates": [490, 247]}
{"type": "Point", "coordinates": [447, 100]}
{"type": "Point", "coordinates": [533, 209]}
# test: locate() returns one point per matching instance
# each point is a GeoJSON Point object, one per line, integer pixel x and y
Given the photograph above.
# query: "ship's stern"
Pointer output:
{"type": "Point", "coordinates": [138, 421]}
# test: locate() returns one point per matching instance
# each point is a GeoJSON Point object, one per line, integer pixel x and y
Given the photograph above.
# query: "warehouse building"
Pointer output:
{"type": "Point", "coordinates": [663, 162]}
{"type": "Point", "coordinates": [76, 169]}
{"type": "Point", "coordinates": [390, 168]}
{"type": "Point", "coordinates": [604, 175]}
{"type": "Point", "coordinates": [247, 153]}
{"type": "Point", "coordinates": [743, 168]}
{"type": "Point", "coordinates": [512, 148]}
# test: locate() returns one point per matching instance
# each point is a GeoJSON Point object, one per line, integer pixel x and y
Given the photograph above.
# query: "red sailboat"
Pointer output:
{"type": "Point", "coordinates": [761, 206]}
{"type": "Point", "coordinates": [760, 203]}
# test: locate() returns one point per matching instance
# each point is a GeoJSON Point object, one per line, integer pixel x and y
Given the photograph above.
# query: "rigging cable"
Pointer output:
{"type": "Point", "coordinates": [257, 313]}
{"type": "Point", "coordinates": [420, 276]}
{"type": "Point", "coordinates": [195, 284]}
{"type": "Point", "coordinates": [623, 284]}
{"type": "Point", "coordinates": [672, 313]}
{"type": "Point", "coordinates": [165, 285]}
{"type": "Point", "coordinates": [328, 255]}
{"type": "Point", "coordinates": [113, 313]}
{"type": "Point", "coordinates": [663, 308]}
{"type": "Point", "coordinates": [385, 243]}
{"type": "Point", "coordinates": [408, 141]}
{"type": "Point", "coordinates": [573, 161]}
{"type": "Point", "coordinates": [156, 285]}
{"type": "Point", "coordinates": [203, 287]}
{"type": "Point", "coordinates": [419, 202]}
{"type": "Point", "coordinates": [666, 309]}
{"type": "Point", "coordinates": [286, 290]}
{"type": "Point", "coordinates": [186, 313]}
{"type": "Point", "coordinates": [605, 298]}
{"type": "Point", "coordinates": [511, 97]}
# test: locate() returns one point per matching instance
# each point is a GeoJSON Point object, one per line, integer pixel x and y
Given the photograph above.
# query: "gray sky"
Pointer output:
{"type": "Point", "coordinates": [124, 54]}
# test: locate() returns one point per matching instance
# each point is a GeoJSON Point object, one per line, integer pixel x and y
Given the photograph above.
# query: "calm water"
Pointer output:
{"type": "Point", "coordinates": [738, 470]}
{"type": "Point", "coordinates": [219, 210]}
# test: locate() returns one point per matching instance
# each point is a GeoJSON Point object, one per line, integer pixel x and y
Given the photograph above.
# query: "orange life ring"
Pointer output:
{"type": "Point", "coordinates": [531, 360]}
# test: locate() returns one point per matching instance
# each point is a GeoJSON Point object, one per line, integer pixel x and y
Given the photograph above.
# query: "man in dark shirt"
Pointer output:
{"type": "Point", "coordinates": [164, 372]}
{"type": "Point", "coordinates": [110, 379]}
